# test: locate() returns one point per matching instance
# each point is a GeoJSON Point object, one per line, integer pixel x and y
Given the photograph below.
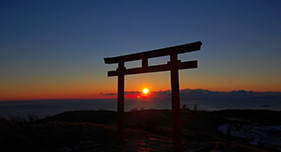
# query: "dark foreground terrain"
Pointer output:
{"type": "Point", "coordinates": [146, 130]}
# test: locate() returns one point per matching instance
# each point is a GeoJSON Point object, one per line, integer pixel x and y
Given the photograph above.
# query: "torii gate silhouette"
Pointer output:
{"type": "Point", "coordinates": [173, 66]}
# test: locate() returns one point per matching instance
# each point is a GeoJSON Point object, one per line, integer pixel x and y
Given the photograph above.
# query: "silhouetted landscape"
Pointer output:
{"type": "Point", "coordinates": [145, 130]}
{"type": "Point", "coordinates": [91, 124]}
{"type": "Point", "coordinates": [140, 76]}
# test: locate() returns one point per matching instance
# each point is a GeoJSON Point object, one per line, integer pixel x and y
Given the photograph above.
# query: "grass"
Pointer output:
{"type": "Point", "coordinates": [96, 131]}
{"type": "Point", "coordinates": [16, 136]}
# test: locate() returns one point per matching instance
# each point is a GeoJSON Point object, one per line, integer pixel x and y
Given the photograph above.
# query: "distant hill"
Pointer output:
{"type": "Point", "coordinates": [99, 117]}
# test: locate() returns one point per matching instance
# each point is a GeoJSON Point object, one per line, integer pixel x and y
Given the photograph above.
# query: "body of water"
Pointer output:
{"type": "Point", "coordinates": [44, 108]}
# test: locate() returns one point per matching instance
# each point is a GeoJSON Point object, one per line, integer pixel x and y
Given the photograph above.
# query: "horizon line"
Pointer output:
{"type": "Point", "coordinates": [112, 95]}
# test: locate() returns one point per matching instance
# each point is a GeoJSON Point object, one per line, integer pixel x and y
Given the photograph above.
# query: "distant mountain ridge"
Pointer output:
{"type": "Point", "coordinates": [239, 94]}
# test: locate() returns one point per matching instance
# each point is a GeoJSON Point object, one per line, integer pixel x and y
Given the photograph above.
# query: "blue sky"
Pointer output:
{"type": "Point", "coordinates": [64, 42]}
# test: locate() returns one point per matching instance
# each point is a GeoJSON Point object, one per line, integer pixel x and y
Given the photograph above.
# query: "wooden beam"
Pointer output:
{"type": "Point", "coordinates": [155, 68]}
{"type": "Point", "coordinates": [120, 102]}
{"type": "Point", "coordinates": [175, 94]}
{"type": "Point", "coordinates": [145, 63]}
{"type": "Point", "coordinates": [155, 53]}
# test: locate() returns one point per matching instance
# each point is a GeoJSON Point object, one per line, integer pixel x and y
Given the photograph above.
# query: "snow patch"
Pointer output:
{"type": "Point", "coordinates": [265, 135]}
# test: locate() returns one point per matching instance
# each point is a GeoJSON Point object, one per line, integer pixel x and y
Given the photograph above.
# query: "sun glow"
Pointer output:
{"type": "Point", "coordinates": [145, 91]}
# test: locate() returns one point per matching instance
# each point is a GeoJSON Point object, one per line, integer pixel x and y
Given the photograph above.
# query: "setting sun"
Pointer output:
{"type": "Point", "coordinates": [145, 91]}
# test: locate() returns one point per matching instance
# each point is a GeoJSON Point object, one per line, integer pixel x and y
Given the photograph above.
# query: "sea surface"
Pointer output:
{"type": "Point", "coordinates": [45, 108]}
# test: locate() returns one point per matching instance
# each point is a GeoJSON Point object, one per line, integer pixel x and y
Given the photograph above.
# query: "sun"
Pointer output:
{"type": "Point", "coordinates": [145, 91]}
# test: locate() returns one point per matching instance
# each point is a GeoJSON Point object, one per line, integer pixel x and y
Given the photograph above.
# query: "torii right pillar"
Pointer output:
{"type": "Point", "coordinates": [175, 102]}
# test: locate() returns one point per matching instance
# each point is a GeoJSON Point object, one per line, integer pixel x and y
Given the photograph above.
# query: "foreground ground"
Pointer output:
{"type": "Point", "coordinates": [146, 130]}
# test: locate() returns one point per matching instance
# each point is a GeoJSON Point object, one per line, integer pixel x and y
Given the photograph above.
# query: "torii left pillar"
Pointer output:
{"type": "Point", "coordinates": [120, 102]}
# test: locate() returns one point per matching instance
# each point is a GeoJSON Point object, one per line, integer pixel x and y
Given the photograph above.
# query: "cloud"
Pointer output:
{"type": "Point", "coordinates": [126, 93]}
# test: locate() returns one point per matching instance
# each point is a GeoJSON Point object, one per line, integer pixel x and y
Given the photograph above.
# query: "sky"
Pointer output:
{"type": "Point", "coordinates": [53, 49]}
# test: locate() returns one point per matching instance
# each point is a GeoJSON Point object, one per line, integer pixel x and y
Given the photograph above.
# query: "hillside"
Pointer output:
{"type": "Point", "coordinates": [146, 130]}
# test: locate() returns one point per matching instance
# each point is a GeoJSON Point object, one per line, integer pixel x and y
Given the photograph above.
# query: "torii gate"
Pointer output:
{"type": "Point", "coordinates": [174, 65]}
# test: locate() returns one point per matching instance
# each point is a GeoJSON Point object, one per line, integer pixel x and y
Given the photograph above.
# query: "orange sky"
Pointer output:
{"type": "Point", "coordinates": [95, 86]}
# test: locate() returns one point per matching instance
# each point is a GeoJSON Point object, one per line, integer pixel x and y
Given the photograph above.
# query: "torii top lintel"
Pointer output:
{"type": "Point", "coordinates": [156, 53]}
{"type": "Point", "coordinates": [190, 47]}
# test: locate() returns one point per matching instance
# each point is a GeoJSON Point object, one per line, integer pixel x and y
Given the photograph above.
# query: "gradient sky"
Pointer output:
{"type": "Point", "coordinates": [55, 48]}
